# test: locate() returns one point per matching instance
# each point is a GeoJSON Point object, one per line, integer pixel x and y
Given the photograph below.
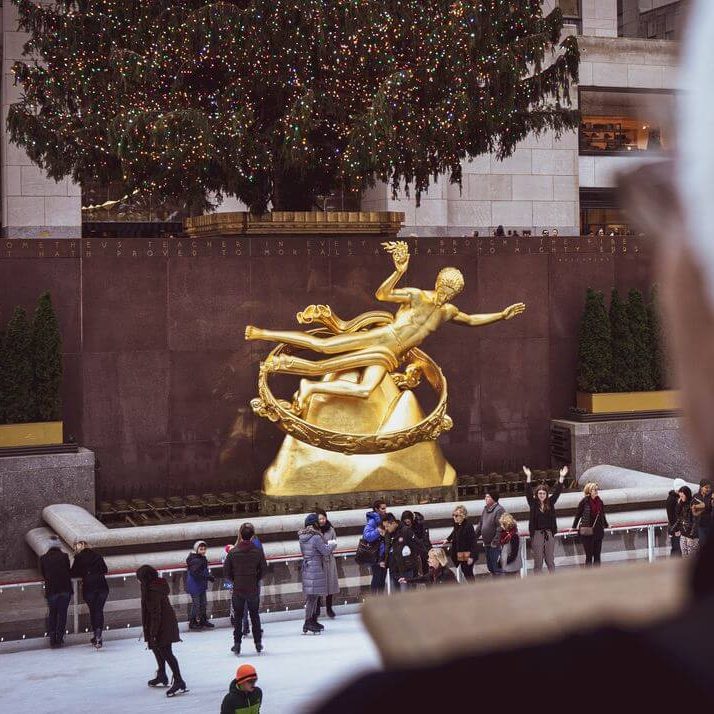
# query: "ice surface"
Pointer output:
{"type": "Point", "coordinates": [294, 670]}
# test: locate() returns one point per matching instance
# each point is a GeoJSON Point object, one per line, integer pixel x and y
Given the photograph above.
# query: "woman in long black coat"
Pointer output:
{"type": "Point", "coordinates": [91, 568]}
{"type": "Point", "coordinates": [463, 543]}
{"type": "Point", "coordinates": [160, 628]}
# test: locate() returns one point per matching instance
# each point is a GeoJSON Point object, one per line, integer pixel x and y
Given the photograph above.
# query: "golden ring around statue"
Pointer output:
{"type": "Point", "coordinates": [417, 363]}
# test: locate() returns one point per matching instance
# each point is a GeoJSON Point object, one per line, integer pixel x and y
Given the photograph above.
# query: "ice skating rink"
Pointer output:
{"type": "Point", "coordinates": [294, 671]}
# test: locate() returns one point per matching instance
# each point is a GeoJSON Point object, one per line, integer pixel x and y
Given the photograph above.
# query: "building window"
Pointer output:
{"type": "Point", "coordinates": [615, 122]}
{"type": "Point", "coordinates": [600, 214]}
{"type": "Point", "coordinates": [650, 19]}
{"type": "Point", "coordinates": [572, 13]}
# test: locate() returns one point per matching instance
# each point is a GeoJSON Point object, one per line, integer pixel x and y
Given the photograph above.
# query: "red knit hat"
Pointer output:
{"type": "Point", "coordinates": [245, 673]}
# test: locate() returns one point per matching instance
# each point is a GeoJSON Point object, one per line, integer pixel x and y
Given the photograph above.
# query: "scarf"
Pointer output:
{"type": "Point", "coordinates": [506, 536]}
{"type": "Point", "coordinates": [595, 507]}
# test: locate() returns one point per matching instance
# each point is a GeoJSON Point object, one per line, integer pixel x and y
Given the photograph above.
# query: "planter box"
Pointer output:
{"type": "Point", "coordinates": [666, 400]}
{"type": "Point", "coordinates": [31, 434]}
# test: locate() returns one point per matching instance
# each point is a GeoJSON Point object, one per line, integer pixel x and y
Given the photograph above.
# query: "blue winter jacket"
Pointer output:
{"type": "Point", "coordinates": [198, 574]}
{"type": "Point", "coordinates": [370, 532]}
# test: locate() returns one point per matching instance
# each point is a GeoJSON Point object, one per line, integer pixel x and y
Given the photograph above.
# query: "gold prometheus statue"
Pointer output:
{"type": "Point", "coordinates": [374, 345]}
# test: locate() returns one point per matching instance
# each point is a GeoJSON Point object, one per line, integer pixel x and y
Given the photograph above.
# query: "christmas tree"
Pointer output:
{"type": "Point", "coordinates": [595, 346]}
{"type": "Point", "coordinates": [46, 362]}
{"type": "Point", "coordinates": [16, 402]}
{"type": "Point", "coordinates": [658, 364]}
{"type": "Point", "coordinates": [622, 345]}
{"type": "Point", "coordinates": [641, 343]}
{"type": "Point", "coordinates": [281, 101]}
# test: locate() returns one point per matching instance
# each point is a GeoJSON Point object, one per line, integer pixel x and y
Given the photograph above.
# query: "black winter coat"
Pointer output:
{"type": "Point", "coordinates": [157, 616]}
{"type": "Point", "coordinates": [584, 517]}
{"type": "Point", "coordinates": [685, 522]}
{"type": "Point", "coordinates": [549, 516]}
{"type": "Point", "coordinates": [462, 539]}
{"type": "Point", "coordinates": [54, 566]}
{"type": "Point", "coordinates": [435, 576]}
{"type": "Point", "coordinates": [91, 568]}
{"type": "Point", "coordinates": [238, 700]}
{"type": "Point", "coordinates": [244, 566]}
{"type": "Point", "coordinates": [397, 562]}
{"type": "Point", "coordinates": [671, 506]}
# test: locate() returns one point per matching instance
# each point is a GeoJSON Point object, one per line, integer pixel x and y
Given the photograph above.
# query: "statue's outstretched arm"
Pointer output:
{"type": "Point", "coordinates": [486, 319]}
{"type": "Point", "coordinates": [386, 291]}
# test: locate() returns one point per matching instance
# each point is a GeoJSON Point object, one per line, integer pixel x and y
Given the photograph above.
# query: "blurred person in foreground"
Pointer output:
{"type": "Point", "coordinates": [674, 653]}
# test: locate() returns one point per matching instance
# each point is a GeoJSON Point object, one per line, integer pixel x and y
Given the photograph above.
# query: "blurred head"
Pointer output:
{"type": "Point", "coordinates": [491, 498]}
{"type": "Point", "coordinates": [437, 558]}
{"type": "Point", "coordinates": [80, 545]}
{"type": "Point", "coordinates": [246, 677]}
{"type": "Point", "coordinates": [407, 518]}
{"type": "Point", "coordinates": [705, 487]}
{"type": "Point", "coordinates": [507, 521]}
{"type": "Point", "coordinates": [321, 517]}
{"type": "Point", "coordinates": [685, 494]}
{"type": "Point", "coordinates": [311, 520]}
{"type": "Point", "coordinates": [380, 507]}
{"type": "Point", "coordinates": [390, 523]}
{"type": "Point", "coordinates": [459, 514]}
{"type": "Point", "coordinates": [145, 574]}
{"type": "Point", "coordinates": [246, 532]}
{"type": "Point", "coordinates": [542, 494]}
{"type": "Point", "coordinates": [591, 489]}
{"type": "Point", "coordinates": [200, 547]}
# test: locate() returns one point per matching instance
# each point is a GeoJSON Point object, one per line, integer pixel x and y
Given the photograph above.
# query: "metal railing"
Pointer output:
{"type": "Point", "coordinates": [23, 605]}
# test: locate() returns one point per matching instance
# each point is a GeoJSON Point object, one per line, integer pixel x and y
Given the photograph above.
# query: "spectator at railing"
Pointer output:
{"type": "Point", "coordinates": [374, 533]}
{"type": "Point", "coordinates": [197, 579]}
{"type": "Point", "coordinates": [462, 543]}
{"type": "Point", "coordinates": [686, 523]}
{"type": "Point", "coordinates": [91, 568]}
{"type": "Point", "coordinates": [592, 522]}
{"type": "Point", "coordinates": [543, 520]}
{"type": "Point", "coordinates": [333, 581]}
{"type": "Point", "coordinates": [422, 533]}
{"type": "Point", "coordinates": [403, 551]}
{"type": "Point", "coordinates": [54, 566]}
{"type": "Point", "coordinates": [488, 529]}
{"type": "Point", "coordinates": [510, 561]}
{"type": "Point", "coordinates": [702, 510]}
{"type": "Point", "coordinates": [438, 571]}
{"type": "Point", "coordinates": [671, 506]}
{"type": "Point", "coordinates": [160, 626]}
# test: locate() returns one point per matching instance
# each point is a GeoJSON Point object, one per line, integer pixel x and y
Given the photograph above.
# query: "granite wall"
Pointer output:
{"type": "Point", "coordinates": [158, 376]}
{"type": "Point", "coordinates": [27, 485]}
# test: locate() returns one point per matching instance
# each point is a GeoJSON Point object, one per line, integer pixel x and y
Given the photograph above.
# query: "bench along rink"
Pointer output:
{"type": "Point", "coordinates": [295, 671]}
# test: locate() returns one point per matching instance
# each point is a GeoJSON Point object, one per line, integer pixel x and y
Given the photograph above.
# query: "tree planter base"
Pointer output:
{"type": "Point", "coordinates": [666, 400]}
{"type": "Point", "coordinates": [31, 434]}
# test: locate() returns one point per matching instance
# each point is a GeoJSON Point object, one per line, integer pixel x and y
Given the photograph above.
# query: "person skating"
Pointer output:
{"type": "Point", "coordinates": [438, 571]}
{"type": "Point", "coordinates": [488, 529]}
{"type": "Point", "coordinates": [54, 566]}
{"type": "Point", "coordinates": [314, 573]}
{"type": "Point", "coordinates": [462, 543]}
{"type": "Point", "coordinates": [403, 552]}
{"type": "Point", "coordinates": [91, 568]}
{"type": "Point", "coordinates": [161, 630]}
{"type": "Point", "coordinates": [333, 583]}
{"type": "Point", "coordinates": [197, 578]}
{"type": "Point", "coordinates": [245, 566]}
{"type": "Point", "coordinates": [243, 696]}
{"type": "Point", "coordinates": [543, 520]}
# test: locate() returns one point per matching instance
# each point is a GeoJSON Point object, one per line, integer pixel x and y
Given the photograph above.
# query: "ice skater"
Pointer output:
{"type": "Point", "coordinates": [161, 630]}
{"type": "Point", "coordinates": [243, 696]}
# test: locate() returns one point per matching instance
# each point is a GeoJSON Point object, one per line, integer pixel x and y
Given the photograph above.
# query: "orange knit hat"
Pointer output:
{"type": "Point", "coordinates": [245, 673]}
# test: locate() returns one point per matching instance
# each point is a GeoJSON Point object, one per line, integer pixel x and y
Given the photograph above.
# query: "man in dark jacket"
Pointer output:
{"type": "Point", "coordinates": [91, 568]}
{"type": "Point", "coordinates": [243, 696]}
{"type": "Point", "coordinates": [245, 566]}
{"type": "Point", "coordinates": [702, 509]}
{"type": "Point", "coordinates": [671, 506]}
{"type": "Point", "coordinates": [54, 566]}
{"type": "Point", "coordinates": [403, 551]}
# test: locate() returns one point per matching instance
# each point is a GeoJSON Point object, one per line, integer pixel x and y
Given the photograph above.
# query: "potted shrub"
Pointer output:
{"type": "Point", "coordinates": [620, 362]}
{"type": "Point", "coordinates": [31, 378]}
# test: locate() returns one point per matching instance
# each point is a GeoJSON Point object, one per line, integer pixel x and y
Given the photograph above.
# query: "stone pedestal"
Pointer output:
{"type": "Point", "coordinates": [27, 485]}
{"type": "Point", "coordinates": [656, 446]}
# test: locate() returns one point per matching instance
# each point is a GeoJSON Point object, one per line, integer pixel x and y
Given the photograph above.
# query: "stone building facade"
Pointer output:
{"type": "Point", "coordinates": [548, 183]}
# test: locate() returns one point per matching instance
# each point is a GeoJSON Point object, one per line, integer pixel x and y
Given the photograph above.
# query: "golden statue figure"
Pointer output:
{"type": "Point", "coordinates": [357, 409]}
